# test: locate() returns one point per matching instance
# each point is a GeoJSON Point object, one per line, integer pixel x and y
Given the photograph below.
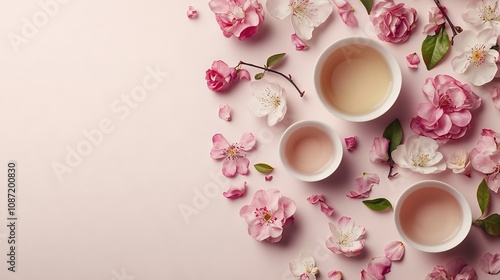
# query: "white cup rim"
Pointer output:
{"type": "Point", "coordinates": [326, 171]}
{"type": "Point", "coordinates": [392, 63]}
{"type": "Point", "coordinates": [462, 232]}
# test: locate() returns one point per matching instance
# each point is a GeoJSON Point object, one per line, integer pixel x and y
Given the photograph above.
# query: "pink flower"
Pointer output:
{"type": "Point", "coordinates": [447, 115]}
{"type": "Point", "coordinates": [485, 158]}
{"type": "Point", "coordinates": [191, 12]}
{"type": "Point", "coordinates": [394, 250]}
{"type": "Point", "coordinates": [346, 238]}
{"type": "Point", "coordinates": [364, 185]}
{"type": "Point", "coordinates": [267, 214]}
{"type": "Point", "coordinates": [436, 19]}
{"type": "Point", "coordinates": [318, 198]}
{"type": "Point", "coordinates": [236, 191]}
{"type": "Point", "coordinates": [350, 143]}
{"type": "Point", "coordinates": [412, 60]}
{"type": "Point", "coordinates": [225, 112]}
{"type": "Point", "coordinates": [495, 97]}
{"type": "Point", "coordinates": [379, 152]}
{"type": "Point", "coordinates": [346, 12]}
{"type": "Point", "coordinates": [220, 75]}
{"type": "Point", "coordinates": [454, 269]}
{"type": "Point", "coordinates": [299, 44]}
{"type": "Point", "coordinates": [490, 263]}
{"type": "Point", "coordinates": [234, 155]}
{"type": "Point", "coordinates": [240, 18]}
{"type": "Point", "coordinates": [335, 275]}
{"type": "Point", "coordinates": [379, 266]}
{"type": "Point", "coordinates": [393, 22]}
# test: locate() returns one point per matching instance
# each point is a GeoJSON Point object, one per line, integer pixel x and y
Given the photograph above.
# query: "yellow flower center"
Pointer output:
{"type": "Point", "coordinates": [477, 55]}
{"type": "Point", "coordinates": [421, 160]}
{"type": "Point", "coordinates": [489, 13]}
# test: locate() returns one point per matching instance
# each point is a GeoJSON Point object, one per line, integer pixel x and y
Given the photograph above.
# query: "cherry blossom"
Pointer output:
{"type": "Point", "coordinates": [346, 12]}
{"type": "Point", "coordinates": [304, 268]}
{"type": "Point", "coordinates": [225, 112]}
{"type": "Point", "coordinates": [318, 198]}
{"type": "Point", "coordinates": [335, 275]}
{"type": "Point", "coordinates": [481, 12]}
{"type": "Point", "coordinates": [490, 263]}
{"type": "Point", "coordinates": [485, 158]}
{"type": "Point", "coordinates": [305, 14]}
{"type": "Point", "coordinates": [364, 185]}
{"type": "Point", "coordinates": [233, 155]}
{"type": "Point", "coordinates": [267, 214]}
{"type": "Point", "coordinates": [299, 44]}
{"type": "Point", "coordinates": [379, 152]}
{"type": "Point", "coordinates": [379, 267]}
{"type": "Point", "coordinates": [240, 18]}
{"type": "Point", "coordinates": [436, 19]}
{"type": "Point", "coordinates": [420, 154]}
{"type": "Point", "coordinates": [269, 99]}
{"type": "Point", "coordinates": [458, 162]}
{"type": "Point", "coordinates": [236, 191]}
{"type": "Point", "coordinates": [346, 238]}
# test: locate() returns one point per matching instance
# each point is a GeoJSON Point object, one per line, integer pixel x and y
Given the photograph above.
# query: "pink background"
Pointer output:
{"type": "Point", "coordinates": [117, 213]}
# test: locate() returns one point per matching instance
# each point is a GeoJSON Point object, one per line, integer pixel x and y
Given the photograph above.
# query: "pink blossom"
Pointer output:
{"type": "Point", "coordinates": [485, 158]}
{"type": "Point", "coordinates": [364, 185]}
{"type": "Point", "coordinates": [379, 152]}
{"type": "Point", "coordinates": [346, 238]}
{"type": "Point", "coordinates": [413, 60]}
{"type": "Point", "coordinates": [490, 263]}
{"type": "Point", "coordinates": [269, 178]}
{"type": "Point", "coordinates": [393, 23]}
{"type": "Point", "coordinates": [240, 18]}
{"type": "Point", "coordinates": [495, 97]}
{"type": "Point", "coordinates": [267, 214]}
{"type": "Point", "coordinates": [318, 198]}
{"type": "Point", "coordinates": [299, 44]}
{"type": "Point", "coordinates": [236, 191]}
{"type": "Point", "coordinates": [234, 155]}
{"type": "Point", "coordinates": [350, 143]}
{"type": "Point", "coordinates": [225, 112]}
{"type": "Point", "coordinates": [220, 75]}
{"type": "Point", "coordinates": [346, 12]}
{"type": "Point", "coordinates": [191, 12]}
{"type": "Point", "coordinates": [335, 275]}
{"type": "Point", "coordinates": [458, 161]}
{"type": "Point", "coordinates": [454, 269]}
{"type": "Point", "coordinates": [379, 266]}
{"type": "Point", "coordinates": [394, 250]}
{"type": "Point", "coordinates": [447, 115]}
{"type": "Point", "coordinates": [436, 19]}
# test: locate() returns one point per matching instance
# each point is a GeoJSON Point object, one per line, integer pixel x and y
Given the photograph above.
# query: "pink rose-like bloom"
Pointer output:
{"type": "Point", "coordinates": [413, 60]}
{"type": "Point", "coordinates": [447, 115]}
{"type": "Point", "coordinates": [495, 97]}
{"type": "Point", "coordinates": [393, 23]}
{"type": "Point", "coordinates": [346, 238]}
{"type": "Point", "coordinates": [454, 269]}
{"type": "Point", "coordinates": [364, 185]}
{"type": "Point", "coordinates": [335, 275]}
{"type": "Point", "coordinates": [318, 198]}
{"type": "Point", "coordinates": [485, 158]}
{"type": "Point", "coordinates": [350, 143]}
{"type": "Point", "coordinates": [191, 12]}
{"type": "Point", "coordinates": [267, 214]}
{"type": "Point", "coordinates": [240, 18]}
{"type": "Point", "coordinates": [346, 12]}
{"type": "Point", "coordinates": [379, 152]}
{"type": "Point", "coordinates": [299, 44]}
{"type": "Point", "coordinates": [234, 155]}
{"type": "Point", "coordinates": [220, 75]}
{"type": "Point", "coordinates": [394, 250]}
{"type": "Point", "coordinates": [236, 191]}
{"type": "Point", "coordinates": [436, 19]}
{"type": "Point", "coordinates": [490, 263]}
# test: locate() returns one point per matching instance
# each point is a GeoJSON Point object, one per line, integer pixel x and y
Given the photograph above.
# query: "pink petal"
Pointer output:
{"type": "Point", "coordinates": [495, 97]}
{"type": "Point", "coordinates": [325, 208]}
{"type": "Point", "coordinates": [191, 13]}
{"type": "Point", "coordinates": [367, 276]}
{"type": "Point", "coordinates": [244, 74]}
{"type": "Point", "coordinates": [269, 178]}
{"type": "Point", "coordinates": [236, 191]}
{"type": "Point", "coordinates": [379, 152]}
{"type": "Point", "coordinates": [299, 44]}
{"type": "Point", "coordinates": [335, 275]}
{"type": "Point", "coordinates": [315, 198]}
{"type": "Point", "coordinates": [379, 266]}
{"type": "Point", "coordinates": [225, 112]}
{"type": "Point", "coordinates": [346, 12]}
{"type": "Point", "coordinates": [455, 266]}
{"type": "Point", "coordinates": [229, 168]}
{"type": "Point", "coordinates": [247, 141]}
{"type": "Point", "coordinates": [219, 146]}
{"type": "Point", "coordinates": [412, 60]}
{"type": "Point", "coordinates": [394, 250]}
{"type": "Point", "coordinates": [490, 263]}
{"type": "Point", "coordinates": [350, 143]}
{"type": "Point", "coordinates": [242, 165]}
{"type": "Point", "coordinates": [364, 185]}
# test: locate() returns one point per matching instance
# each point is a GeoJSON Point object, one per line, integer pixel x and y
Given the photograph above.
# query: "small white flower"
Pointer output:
{"type": "Point", "coordinates": [306, 14]}
{"type": "Point", "coordinates": [477, 60]}
{"type": "Point", "coordinates": [346, 238]}
{"type": "Point", "coordinates": [304, 267]}
{"type": "Point", "coordinates": [420, 154]}
{"type": "Point", "coordinates": [483, 12]}
{"type": "Point", "coordinates": [458, 161]}
{"type": "Point", "coordinates": [268, 100]}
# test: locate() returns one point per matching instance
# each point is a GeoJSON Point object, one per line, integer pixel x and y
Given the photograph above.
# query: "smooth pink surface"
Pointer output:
{"type": "Point", "coordinates": [118, 211]}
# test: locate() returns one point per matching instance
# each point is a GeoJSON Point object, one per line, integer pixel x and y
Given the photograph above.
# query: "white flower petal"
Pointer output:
{"type": "Point", "coordinates": [463, 40]}
{"type": "Point", "coordinates": [302, 29]}
{"type": "Point", "coordinates": [279, 9]}
{"type": "Point", "coordinates": [488, 37]}
{"type": "Point", "coordinates": [479, 76]}
{"type": "Point", "coordinates": [460, 63]}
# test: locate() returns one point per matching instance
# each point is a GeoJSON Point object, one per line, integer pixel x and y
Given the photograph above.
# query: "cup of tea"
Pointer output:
{"type": "Point", "coordinates": [432, 216]}
{"type": "Point", "coordinates": [357, 79]}
{"type": "Point", "coordinates": [310, 150]}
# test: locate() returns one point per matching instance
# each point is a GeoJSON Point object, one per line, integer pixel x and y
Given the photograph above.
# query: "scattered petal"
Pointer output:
{"type": "Point", "coordinates": [394, 250]}
{"type": "Point", "coordinates": [225, 112]}
{"type": "Point", "coordinates": [335, 275]}
{"type": "Point", "coordinates": [244, 74]}
{"type": "Point", "coordinates": [346, 12]}
{"type": "Point", "coordinates": [364, 185]}
{"type": "Point", "coordinates": [299, 44]}
{"type": "Point", "coordinates": [191, 12]}
{"type": "Point", "coordinates": [269, 178]}
{"type": "Point", "coordinates": [413, 60]}
{"type": "Point", "coordinates": [367, 276]}
{"type": "Point", "coordinates": [318, 198]}
{"type": "Point", "coordinates": [379, 152]}
{"type": "Point", "coordinates": [379, 266]}
{"type": "Point", "coordinates": [490, 263]}
{"type": "Point", "coordinates": [350, 143]}
{"type": "Point", "coordinates": [236, 191]}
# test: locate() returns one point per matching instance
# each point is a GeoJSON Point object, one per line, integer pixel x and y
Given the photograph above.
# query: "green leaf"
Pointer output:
{"type": "Point", "coordinates": [259, 76]}
{"type": "Point", "coordinates": [274, 59]}
{"type": "Point", "coordinates": [368, 5]}
{"type": "Point", "coordinates": [378, 204]}
{"type": "Point", "coordinates": [394, 133]}
{"type": "Point", "coordinates": [435, 48]}
{"type": "Point", "coordinates": [263, 168]}
{"type": "Point", "coordinates": [490, 224]}
{"type": "Point", "coordinates": [483, 196]}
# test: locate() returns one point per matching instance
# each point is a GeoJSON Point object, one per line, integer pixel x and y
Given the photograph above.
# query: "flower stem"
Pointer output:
{"type": "Point", "coordinates": [289, 77]}
{"type": "Point", "coordinates": [454, 29]}
{"type": "Point", "coordinates": [391, 167]}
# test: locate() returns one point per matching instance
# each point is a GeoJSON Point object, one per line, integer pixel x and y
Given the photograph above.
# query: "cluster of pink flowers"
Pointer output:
{"type": "Point", "coordinates": [485, 158]}
{"type": "Point", "coordinates": [239, 18]}
{"type": "Point", "coordinates": [447, 114]}
{"type": "Point", "coordinates": [393, 23]}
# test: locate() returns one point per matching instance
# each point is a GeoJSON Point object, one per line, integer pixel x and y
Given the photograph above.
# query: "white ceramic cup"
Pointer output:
{"type": "Point", "coordinates": [432, 216]}
{"type": "Point", "coordinates": [349, 49]}
{"type": "Point", "coordinates": [310, 150]}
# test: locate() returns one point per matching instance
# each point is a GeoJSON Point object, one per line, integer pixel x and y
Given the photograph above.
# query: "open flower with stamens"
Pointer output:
{"type": "Point", "coordinates": [346, 239]}
{"type": "Point", "coordinates": [267, 214]}
{"type": "Point", "coordinates": [481, 12]}
{"type": "Point", "coordinates": [304, 268]}
{"type": "Point", "coordinates": [306, 14]}
{"type": "Point", "coordinates": [234, 155]}
{"type": "Point", "coordinates": [477, 61]}
{"type": "Point", "coordinates": [420, 154]}
{"type": "Point", "coordinates": [269, 100]}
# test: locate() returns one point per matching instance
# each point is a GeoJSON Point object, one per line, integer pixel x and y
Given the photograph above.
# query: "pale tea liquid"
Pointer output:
{"type": "Point", "coordinates": [430, 216]}
{"type": "Point", "coordinates": [355, 79]}
{"type": "Point", "coordinates": [308, 150]}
